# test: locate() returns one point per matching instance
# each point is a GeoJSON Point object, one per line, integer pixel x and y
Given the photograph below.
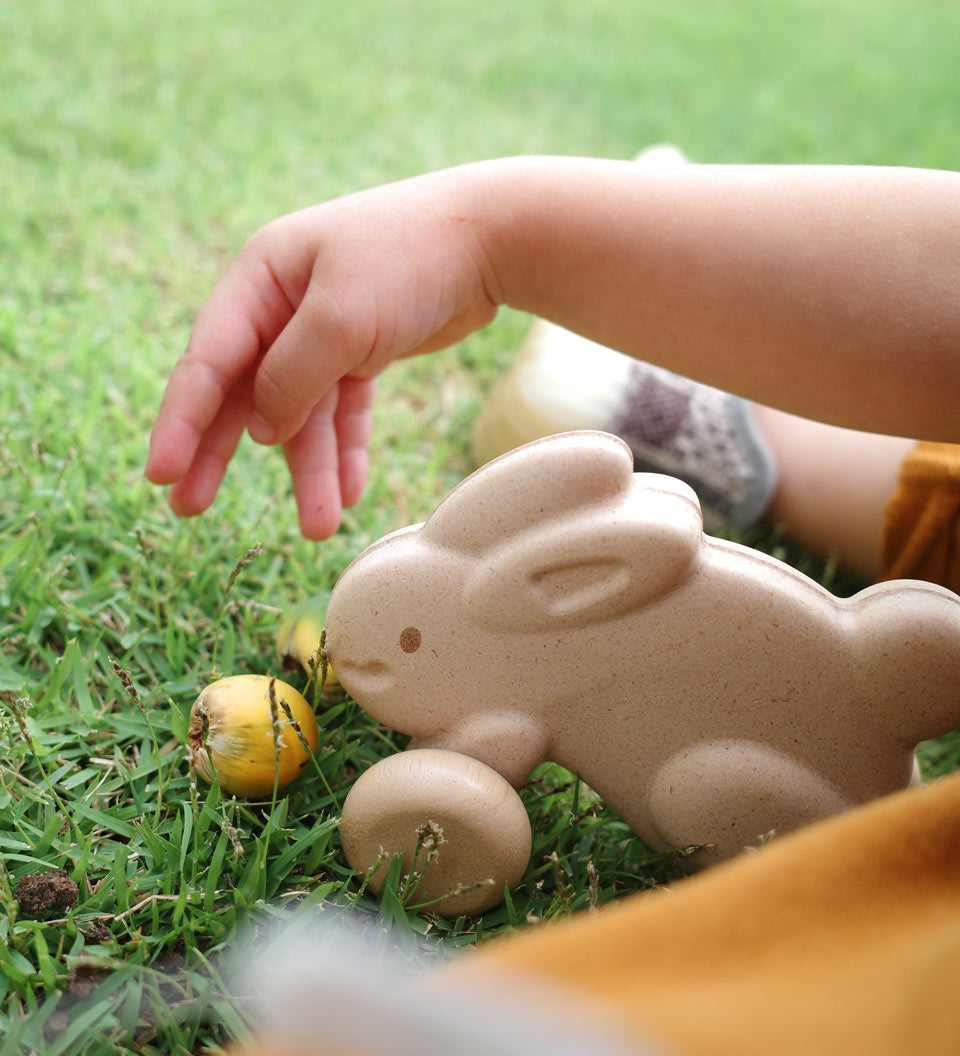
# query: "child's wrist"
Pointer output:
{"type": "Point", "coordinates": [476, 206]}
{"type": "Point", "coordinates": [526, 211]}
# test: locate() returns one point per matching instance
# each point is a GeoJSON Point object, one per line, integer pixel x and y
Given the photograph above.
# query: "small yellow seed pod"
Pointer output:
{"type": "Point", "coordinates": [298, 638]}
{"type": "Point", "coordinates": [232, 732]}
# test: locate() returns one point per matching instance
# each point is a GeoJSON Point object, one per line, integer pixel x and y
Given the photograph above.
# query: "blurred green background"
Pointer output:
{"type": "Point", "coordinates": [140, 145]}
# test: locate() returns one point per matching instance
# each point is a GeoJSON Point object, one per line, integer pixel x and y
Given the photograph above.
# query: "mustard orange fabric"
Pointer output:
{"type": "Point", "coordinates": [841, 939]}
{"type": "Point", "coordinates": [921, 537]}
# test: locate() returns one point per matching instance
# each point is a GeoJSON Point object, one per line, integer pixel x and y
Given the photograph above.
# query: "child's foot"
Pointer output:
{"type": "Point", "coordinates": [561, 381]}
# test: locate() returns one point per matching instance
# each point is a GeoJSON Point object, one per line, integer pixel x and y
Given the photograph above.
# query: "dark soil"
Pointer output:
{"type": "Point", "coordinates": [40, 892]}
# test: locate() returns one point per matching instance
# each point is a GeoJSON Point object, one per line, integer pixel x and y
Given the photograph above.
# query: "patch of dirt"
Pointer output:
{"type": "Point", "coordinates": [40, 892]}
{"type": "Point", "coordinates": [97, 934]}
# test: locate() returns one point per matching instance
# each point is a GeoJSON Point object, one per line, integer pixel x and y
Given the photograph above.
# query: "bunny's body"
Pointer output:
{"type": "Point", "coordinates": [558, 606]}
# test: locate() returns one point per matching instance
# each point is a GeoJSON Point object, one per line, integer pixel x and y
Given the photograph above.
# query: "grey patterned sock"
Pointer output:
{"type": "Point", "coordinates": [702, 435]}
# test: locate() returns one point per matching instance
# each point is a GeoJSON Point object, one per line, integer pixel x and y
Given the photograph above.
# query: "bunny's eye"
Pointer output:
{"type": "Point", "coordinates": [410, 639]}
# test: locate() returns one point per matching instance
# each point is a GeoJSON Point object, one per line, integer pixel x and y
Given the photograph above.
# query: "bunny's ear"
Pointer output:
{"type": "Point", "coordinates": [549, 478]}
{"type": "Point", "coordinates": [595, 565]}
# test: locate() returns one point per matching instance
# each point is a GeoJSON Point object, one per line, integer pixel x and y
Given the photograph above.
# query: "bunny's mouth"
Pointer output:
{"type": "Point", "coordinates": [362, 680]}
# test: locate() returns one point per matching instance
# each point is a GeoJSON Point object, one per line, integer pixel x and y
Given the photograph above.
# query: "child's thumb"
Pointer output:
{"type": "Point", "coordinates": [306, 360]}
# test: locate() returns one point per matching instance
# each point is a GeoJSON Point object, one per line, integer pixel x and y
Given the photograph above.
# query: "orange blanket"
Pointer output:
{"type": "Point", "coordinates": [841, 939]}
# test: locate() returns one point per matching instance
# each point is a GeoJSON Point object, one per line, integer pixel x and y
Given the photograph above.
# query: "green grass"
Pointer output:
{"type": "Point", "coordinates": [139, 147]}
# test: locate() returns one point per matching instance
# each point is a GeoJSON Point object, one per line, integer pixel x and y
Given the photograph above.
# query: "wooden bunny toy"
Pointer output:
{"type": "Point", "coordinates": [556, 605]}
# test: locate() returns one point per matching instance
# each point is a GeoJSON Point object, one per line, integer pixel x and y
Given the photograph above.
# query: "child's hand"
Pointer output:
{"type": "Point", "coordinates": [290, 341]}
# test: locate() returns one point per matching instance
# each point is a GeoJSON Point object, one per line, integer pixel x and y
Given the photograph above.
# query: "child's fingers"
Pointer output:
{"type": "Point", "coordinates": [243, 314]}
{"type": "Point", "coordinates": [313, 460]}
{"type": "Point", "coordinates": [320, 344]}
{"type": "Point", "coordinates": [195, 490]}
{"type": "Point", "coordinates": [354, 423]}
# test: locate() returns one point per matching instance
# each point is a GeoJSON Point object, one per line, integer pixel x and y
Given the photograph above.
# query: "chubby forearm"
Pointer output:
{"type": "Point", "coordinates": [829, 291]}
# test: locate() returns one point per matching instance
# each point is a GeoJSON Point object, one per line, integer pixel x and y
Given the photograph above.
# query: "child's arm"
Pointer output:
{"type": "Point", "coordinates": [830, 292]}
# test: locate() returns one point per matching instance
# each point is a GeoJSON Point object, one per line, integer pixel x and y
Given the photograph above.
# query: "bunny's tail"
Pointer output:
{"type": "Point", "coordinates": [907, 646]}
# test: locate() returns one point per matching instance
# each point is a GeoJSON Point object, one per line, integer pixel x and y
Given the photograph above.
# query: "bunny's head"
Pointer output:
{"type": "Point", "coordinates": [441, 619]}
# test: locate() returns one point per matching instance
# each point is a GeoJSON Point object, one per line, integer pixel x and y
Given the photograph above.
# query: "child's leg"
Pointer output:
{"type": "Point", "coordinates": [827, 486]}
{"type": "Point", "coordinates": [834, 485]}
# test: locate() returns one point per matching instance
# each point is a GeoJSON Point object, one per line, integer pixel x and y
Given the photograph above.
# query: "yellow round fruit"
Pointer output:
{"type": "Point", "coordinates": [232, 734]}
